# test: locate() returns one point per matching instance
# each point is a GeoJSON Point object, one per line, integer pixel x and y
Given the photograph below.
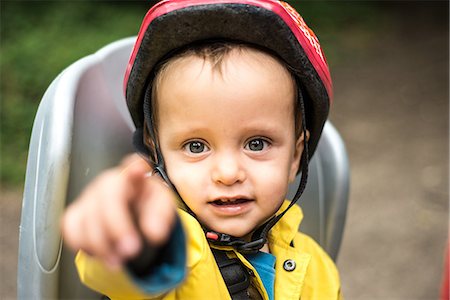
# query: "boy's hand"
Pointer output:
{"type": "Point", "coordinates": [105, 220]}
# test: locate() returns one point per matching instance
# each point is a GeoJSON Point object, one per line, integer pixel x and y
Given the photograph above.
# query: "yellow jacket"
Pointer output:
{"type": "Point", "coordinates": [314, 277]}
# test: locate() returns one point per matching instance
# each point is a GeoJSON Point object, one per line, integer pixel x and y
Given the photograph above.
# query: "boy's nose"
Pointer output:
{"type": "Point", "coordinates": [228, 170]}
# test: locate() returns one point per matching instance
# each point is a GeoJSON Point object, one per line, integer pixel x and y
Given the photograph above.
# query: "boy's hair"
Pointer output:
{"type": "Point", "coordinates": [215, 53]}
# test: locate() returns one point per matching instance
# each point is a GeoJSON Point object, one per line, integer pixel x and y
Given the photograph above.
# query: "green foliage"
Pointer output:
{"type": "Point", "coordinates": [41, 38]}
{"type": "Point", "coordinates": [337, 23]}
{"type": "Point", "coordinates": [38, 40]}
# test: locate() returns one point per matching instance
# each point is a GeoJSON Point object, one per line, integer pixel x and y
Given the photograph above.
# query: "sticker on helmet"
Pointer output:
{"type": "Point", "coordinates": [307, 32]}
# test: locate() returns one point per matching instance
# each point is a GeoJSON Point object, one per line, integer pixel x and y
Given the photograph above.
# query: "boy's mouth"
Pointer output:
{"type": "Point", "coordinates": [229, 201]}
{"type": "Point", "coordinates": [231, 206]}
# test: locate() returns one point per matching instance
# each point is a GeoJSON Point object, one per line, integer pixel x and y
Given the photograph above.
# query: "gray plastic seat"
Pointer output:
{"type": "Point", "coordinates": [83, 127]}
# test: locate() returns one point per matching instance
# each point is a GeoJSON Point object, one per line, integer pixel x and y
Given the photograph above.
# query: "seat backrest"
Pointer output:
{"type": "Point", "coordinates": [83, 127]}
{"type": "Point", "coordinates": [324, 201]}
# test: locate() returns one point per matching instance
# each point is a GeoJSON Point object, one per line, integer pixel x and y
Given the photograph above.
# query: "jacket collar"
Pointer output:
{"type": "Point", "coordinates": [287, 227]}
{"type": "Point", "coordinates": [284, 231]}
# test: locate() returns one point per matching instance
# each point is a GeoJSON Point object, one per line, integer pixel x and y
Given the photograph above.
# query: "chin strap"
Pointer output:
{"type": "Point", "coordinates": [259, 236]}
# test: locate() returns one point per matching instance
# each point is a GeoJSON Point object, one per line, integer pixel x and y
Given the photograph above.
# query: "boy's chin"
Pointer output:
{"type": "Point", "coordinates": [237, 230]}
{"type": "Point", "coordinates": [237, 233]}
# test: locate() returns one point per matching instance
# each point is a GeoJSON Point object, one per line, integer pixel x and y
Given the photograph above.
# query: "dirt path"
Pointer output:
{"type": "Point", "coordinates": [10, 206]}
{"type": "Point", "coordinates": [392, 110]}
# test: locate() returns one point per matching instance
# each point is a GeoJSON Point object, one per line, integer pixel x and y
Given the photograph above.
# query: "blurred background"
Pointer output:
{"type": "Point", "coordinates": [389, 61]}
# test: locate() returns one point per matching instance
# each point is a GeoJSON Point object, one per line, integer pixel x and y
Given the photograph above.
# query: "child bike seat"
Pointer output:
{"type": "Point", "coordinates": [83, 127]}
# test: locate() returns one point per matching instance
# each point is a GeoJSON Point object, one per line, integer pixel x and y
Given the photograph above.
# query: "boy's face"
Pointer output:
{"type": "Point", "coordinates": [228, 138]}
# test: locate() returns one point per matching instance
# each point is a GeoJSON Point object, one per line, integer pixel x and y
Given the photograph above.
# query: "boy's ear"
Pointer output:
{"type": "Point", "coordinates": [299, 146]}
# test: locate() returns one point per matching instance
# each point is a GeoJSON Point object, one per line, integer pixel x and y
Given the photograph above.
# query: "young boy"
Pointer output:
{"type": "Point", "coordinates": [227, 116]}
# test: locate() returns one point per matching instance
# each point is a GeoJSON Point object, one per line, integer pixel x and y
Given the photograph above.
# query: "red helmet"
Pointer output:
{"type": "Point", "coordinates": [270, 24]}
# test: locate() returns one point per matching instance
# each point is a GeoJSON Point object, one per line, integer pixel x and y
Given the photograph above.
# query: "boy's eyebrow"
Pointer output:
{"type": "Point", "coordinates": [183, 132]}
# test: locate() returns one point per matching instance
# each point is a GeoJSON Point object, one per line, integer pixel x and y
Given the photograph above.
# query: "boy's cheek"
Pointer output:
{"type": "Point", "coordinates": [185, 177]}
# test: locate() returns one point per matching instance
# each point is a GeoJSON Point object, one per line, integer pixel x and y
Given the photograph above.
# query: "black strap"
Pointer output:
{"type": "Point", "coordinates": [235, 275]}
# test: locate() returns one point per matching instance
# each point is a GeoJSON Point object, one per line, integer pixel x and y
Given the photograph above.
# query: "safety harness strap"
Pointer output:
{"type": "Point", "coordinates": [234, 273]}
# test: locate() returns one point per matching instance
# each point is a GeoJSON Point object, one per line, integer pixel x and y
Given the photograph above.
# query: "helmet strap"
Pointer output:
{"type": "Point", "coordinates": [157, 163]}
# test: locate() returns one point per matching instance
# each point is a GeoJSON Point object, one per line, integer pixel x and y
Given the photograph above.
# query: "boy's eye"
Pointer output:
{"type": "Point", "coordinates": [258, 144]}
{"type": "Point", "coordinates": [195, 147]}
